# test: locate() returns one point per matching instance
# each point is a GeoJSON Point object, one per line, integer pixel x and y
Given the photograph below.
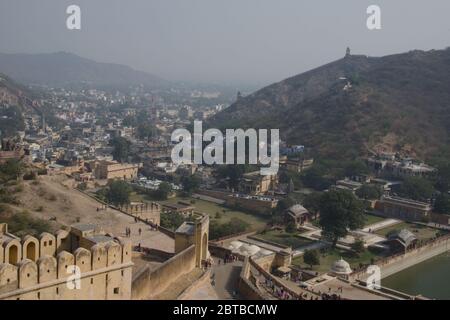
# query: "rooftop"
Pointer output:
{"type": "Point", "coordinates": [186, 228]}
{"type": "Point", "coordinates": [100, 238]}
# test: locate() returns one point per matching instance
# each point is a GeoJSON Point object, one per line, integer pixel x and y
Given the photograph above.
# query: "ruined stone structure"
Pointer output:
{"type": "Point", "coordinates": [257, 204]}
{"type": "Point", "coordinates": [47, 267]}
{"type": "Point", "coordinates": [149, 212]}
{"type": "Point", "coordinates": [254, 183]}
{"type": "Point", "coordinates": [181, 208]}
{"type": "Point", "coordinates": [296, 165]}
{"type": "Point", "coordinates": [114, 170]}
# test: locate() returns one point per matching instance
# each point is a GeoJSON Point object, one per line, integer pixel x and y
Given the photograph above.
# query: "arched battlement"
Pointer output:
{"type": "Point", "coordinates": [62, 241]}
{"type": "Point", "coordinates": [99, 256]}
{"type": "Point", "coordinates": [64, 260]}
{"type": "Point", "coordinates": [28, 273]}
{"type": "Point", "coordinates": [2, 254]}
{"type": "Point", "coordinates": [47, 269]}
{"type": "Point", "coordinates": [30, 248]}
{"type": "Point", "coordinates": [126, 249]}
{"type": "Point", "coordinates": [114, 253]}
{"type": "Point", "coordinates": [12, 251]}
{"type": "Point", "coordinates": [83, 259]}
{"type": "Point", "coordinates": [8, 277]}
{"type": "Point", "coordinates": [47, 243]}
{"type": "Point", "coordinates": [37, 267]}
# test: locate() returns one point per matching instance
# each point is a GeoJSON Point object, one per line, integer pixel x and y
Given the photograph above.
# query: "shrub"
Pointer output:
{"type": "Point", "coordinates": [311, 257]}
{"type": "Point", "coordinates": [31, 175]}
{"type": "Point", "coordinates": [82, 186]}
{"type": "Point", "coordinates": [22, 223]}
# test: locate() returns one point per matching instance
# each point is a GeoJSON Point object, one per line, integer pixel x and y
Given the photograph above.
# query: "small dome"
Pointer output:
{"type": "Point", "coordinates": [265, 252]}
{"type": "Point", "coordinates": [235, 244]}
{"type": "Point", "coordinates": [247, 249]}
{"type": "Point", "coordinates": [341, 267]}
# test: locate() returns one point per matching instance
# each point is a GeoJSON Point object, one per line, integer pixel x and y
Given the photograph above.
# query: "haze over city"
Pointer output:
{"type": "Point", "coordinates": [243, 42]}
{"type": "Point", "coordinates": [224, 150]}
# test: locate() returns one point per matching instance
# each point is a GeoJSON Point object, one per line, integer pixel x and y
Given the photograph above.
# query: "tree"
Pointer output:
{"type": "Point", "coordinates": [130, 121]}
{"type": "Point", "coordinates": [190, 183]}
{"type": "Point", "coordinates": [312, 202]}
{"type": "Point", "coordinates": [163, 191]}
{"type": "Point", "coordinates": [284, 204]}
{"type": "Point", "coordinates": [234, 174]}
{"type": "Point", "coordinates": [290, 228]}
{"type": "Point", "coordinates": [145, 131]}
{"type": "Point", "coordinates": [314, 178]}
{"type": "Point", "coordinates": [234, 226]}
{"type": "Point", "coordinates": [416, 188]}
{"type": "Point", "coordinates": [121, 149]}
{"type": "Point", "coordinates": [340, 210]}
{"type": "Point", "coordinates": [369, 192]}
{"type": "Point", "coordinates": [443, 177]}
{"type": "Point", "coordinates": [356, 168]}
{"type": "Point", "coordinates": [442, 203]}
{"type": "Point", "coordinates": [171, 220]}
{"type": "Point", "coordinates": [118, 193]}
{"type": "Point", "coordinates": [358, 246]}
{"type": "Point", "coordinates": [311, 257]}
{"type": "Point", "coordinates": [11, 169]}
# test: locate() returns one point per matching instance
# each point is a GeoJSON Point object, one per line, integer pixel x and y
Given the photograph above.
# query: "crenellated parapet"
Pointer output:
{"type": "Point", "coordinates": [28, 273]}
{"type": "Point", "coordinates": [13, 249]}
{"type": "Point", "coordinates": [30, 266]}
{"type": "Point", "coordinates": [149, 212]}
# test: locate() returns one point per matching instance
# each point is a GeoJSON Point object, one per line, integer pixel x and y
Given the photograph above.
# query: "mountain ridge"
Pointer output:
{"type": "Point", "coordinates": [65, 69]}
{"type": "Point", "coordinates": [357, 105]}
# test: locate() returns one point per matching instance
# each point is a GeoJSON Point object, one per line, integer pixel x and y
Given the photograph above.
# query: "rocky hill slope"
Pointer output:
{"type": "Point", "coordinates": [357, 105]}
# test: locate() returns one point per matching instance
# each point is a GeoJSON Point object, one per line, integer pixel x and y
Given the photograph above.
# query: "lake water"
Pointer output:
{"type": "Point", "coordinates": [430, 278]}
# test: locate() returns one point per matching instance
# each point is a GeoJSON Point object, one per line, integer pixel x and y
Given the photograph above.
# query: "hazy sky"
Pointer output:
{"type": "Point", "coordinates": [238, 41]}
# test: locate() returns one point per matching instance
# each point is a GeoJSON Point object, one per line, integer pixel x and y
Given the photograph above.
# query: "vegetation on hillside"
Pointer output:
{"type": "Point", "coordinates": [397, 102]}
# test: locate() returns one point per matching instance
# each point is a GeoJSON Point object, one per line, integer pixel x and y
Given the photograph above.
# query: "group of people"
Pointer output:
{"type": "Point", "coordinates": [128, 232]}
{"type": "Point", "coordinates": [280, 293]}
{"type": "Point", "coordinates": [206, 264]}
{"type": "Point", "coordinates": [229, 258]}
{"type": "Point", "coordinates": [326, 296]}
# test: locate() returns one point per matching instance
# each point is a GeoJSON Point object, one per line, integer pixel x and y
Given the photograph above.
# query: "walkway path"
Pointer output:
{"type": "Point", "coordinates": [312, 246]}
{"type": "Point", "coordinates": [115, 221]}
{"type": "Point", "coordinates": [207, 198]}
{"type": "Point", "coordinates": [226, 277]}
{"type": "Point", "coordinates": [381, 225]}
